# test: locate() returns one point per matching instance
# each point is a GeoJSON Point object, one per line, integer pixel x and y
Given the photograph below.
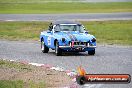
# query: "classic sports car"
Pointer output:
{"type": "Point", "coordinates": [66, 36]}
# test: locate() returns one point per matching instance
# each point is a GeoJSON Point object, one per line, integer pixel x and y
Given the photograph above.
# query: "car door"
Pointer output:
{"type": "Point", "coordinates": [50, 38]}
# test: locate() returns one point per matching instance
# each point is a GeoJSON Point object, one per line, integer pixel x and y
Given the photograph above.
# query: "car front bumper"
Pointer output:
{"type": "Point", "coordinates": [77, 46]}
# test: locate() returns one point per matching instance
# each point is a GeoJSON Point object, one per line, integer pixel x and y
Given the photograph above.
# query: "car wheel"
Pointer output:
{"type": "Point", "coordinates": [44, 48]}
{"type": "Point", "coordinates": [91, 52]}
{"type": "Point", "coordinates": [58, 51]}
{"type": "Point", "coordinates": [81, 80]}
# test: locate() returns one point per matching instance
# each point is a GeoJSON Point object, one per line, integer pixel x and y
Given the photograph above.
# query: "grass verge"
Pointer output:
{"type": "Point", "coordinates": [112, 32]}
{"type": "Point", "coordinates": [10, 69]}
{"type": "Point", "coordinates": [18, 66]}
{"type": "Point", "coordinates": [20, 75]}
{"type": "Point", "coordinates": [63, 7]}
{"type": "Point", "coordinates": [20, 84]}
{"type": "Point", "coordinates": [11, 84]}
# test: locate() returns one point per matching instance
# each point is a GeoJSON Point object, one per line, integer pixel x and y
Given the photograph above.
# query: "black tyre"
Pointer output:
{"type": "Point", "coordinates": [92, 52]}
{"type": "Point", "coordinates": [44, 48]}
{"type": "Point", "coordinates": [58, 51]}
{"type": "Point", "coordinates": [81, 80]}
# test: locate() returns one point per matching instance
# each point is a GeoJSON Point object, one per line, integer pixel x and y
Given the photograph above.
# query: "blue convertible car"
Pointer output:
{"type": "Point", "coordinates": [66, 36]}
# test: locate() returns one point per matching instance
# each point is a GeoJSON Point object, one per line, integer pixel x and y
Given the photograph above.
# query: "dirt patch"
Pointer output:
{"type": "Point", "coordinates": [51, 78]}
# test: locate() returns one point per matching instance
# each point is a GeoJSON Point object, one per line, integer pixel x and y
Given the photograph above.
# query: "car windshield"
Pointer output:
{"type": "Point", "coordinates": [79, 28]}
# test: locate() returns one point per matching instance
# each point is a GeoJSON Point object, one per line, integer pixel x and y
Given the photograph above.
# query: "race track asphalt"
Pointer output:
{"type": "Point", "coordinates": [109, 59]}
{"type": "Point", "coordinates": [72, 16]}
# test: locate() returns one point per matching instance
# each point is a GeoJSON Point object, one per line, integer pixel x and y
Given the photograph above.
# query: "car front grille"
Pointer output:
{"type": "Point", "coordinates": [79, 43]}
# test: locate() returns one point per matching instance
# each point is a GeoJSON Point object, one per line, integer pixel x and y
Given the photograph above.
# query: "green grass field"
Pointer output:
{"type": "Point", "coordinates": [111, 32]}
{"type": "Point", "coordinates": [19, 7]}
{"type": "Point", "coordinates": [21, 30]}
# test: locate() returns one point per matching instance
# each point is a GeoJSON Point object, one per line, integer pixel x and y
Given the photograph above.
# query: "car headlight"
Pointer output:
{"type": "Point", "coordinates": [63, 40]}
{"type": "Point", "coordinates": [93, 40]}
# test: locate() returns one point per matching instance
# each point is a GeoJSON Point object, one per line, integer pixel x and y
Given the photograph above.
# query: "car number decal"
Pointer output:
{"type": "Point", "coordinates": [49, 40]}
